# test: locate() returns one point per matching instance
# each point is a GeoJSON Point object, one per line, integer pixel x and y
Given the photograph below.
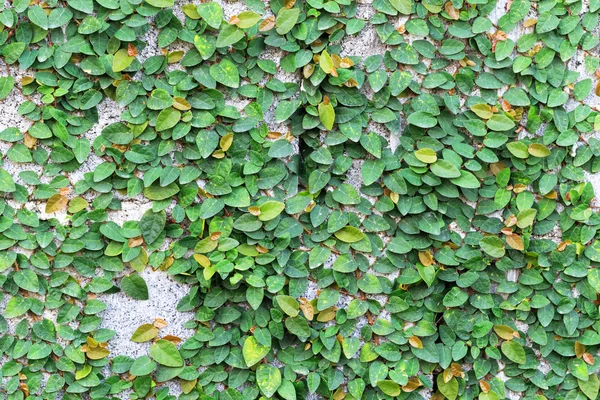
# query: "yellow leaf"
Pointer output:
{"type": "Point", "coordinates": [326, 315]}
{"type": "Point", "coordinates": [56, 203]}
{"type": "Point", "coordinates": [97, 353]}
{"type": "Point", "coordinates": [226, 141]}
{"type": "Point", "coordinates": [188, 386]}
{"type": "Point", "coordinates": [307, 309]}
{"type": "Point", "coordinates": [181, 104]}
{"type": "Point", "coordinates": [415, 342]}
{"type": "Point", "coordinates": [426, 155]}
{"type": "Point", "coordinates": [325, 62]}
{"type": "Point", "coordinates": [426, 258]}
{"type": "Point", "coordinates": [483, 111]}
{"type": "Point", "coordinates": [175, 56]}
{"type": "Point", "coordinates": [326, 114]}
{"type": "Point", "coordinates": [538, 150]}
{"type": "Point", "coordinates": [504, 331]}
{"type": "Point", "coordinates": [579, 349]}
{"type": "Point", "coordinates": [202, 260]}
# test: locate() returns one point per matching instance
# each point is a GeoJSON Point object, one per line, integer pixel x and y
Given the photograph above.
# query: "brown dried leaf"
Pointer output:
{"type": "Point", "coordinates": [267, 24]}
{"type": "Point", "coordinates": [456, 370]}
{"type": "Point", "coordinates": [160, 323]}
{"type": "Point", "coordinates": [135, 242]}
{"type": "Point", "coordinates": [452, 11]}
{"type": "Point", "coordinates": [307, 309]}
{"type": "Point", "coordinates": [173, 339]}
{"type": "Point", "coordinates": [515, 242]}
{"type": "Point", "coordinates": [413, 384]}
{"type": "Point", "coordinates": [131, 50]}
{"type": "Point", "coordinates": [485, 387]}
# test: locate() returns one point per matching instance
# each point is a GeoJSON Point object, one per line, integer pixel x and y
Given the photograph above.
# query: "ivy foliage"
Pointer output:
{"type": "Point", "coordinates": [413, 223]}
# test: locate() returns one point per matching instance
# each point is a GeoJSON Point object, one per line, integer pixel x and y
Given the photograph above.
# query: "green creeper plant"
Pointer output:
{"type": "Point", "coordinates": [416, 223]}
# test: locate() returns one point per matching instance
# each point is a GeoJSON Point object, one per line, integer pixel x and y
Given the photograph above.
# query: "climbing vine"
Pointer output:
{"type": "Point", "coordinates": [384, 199]}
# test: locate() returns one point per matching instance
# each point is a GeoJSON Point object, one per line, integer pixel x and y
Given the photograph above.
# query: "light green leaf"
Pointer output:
{"type": "Point", "coordinates": [253, 351]}
{"type": "Point", "coordinates": [268, 379]}
{"type": "Point", "coordinates": [286, 19]}
{"type": "Point", "coordinates": [514, 352]}
{"type": "Point", "coordinates": [226, 73]}
{"type": "Point", "coordinates": [165, 353]}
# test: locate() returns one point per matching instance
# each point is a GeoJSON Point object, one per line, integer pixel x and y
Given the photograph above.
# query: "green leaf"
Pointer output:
{"type": "Point", "coordinates": [165, 353]}
{"type": "Point", "coordinates": [327, 298]}
{"type": "Point", "coordinates": [403, 6]}
{"type": "Point", "coordinates": [85, 6]}
{"type": "Point", "coordinates": [228, 35]}
{"type": "Point", "coordinates": [285, 109]}
{"type": "Point", "coordinates": [142, 366]}
{"type": "Point", "coordinates": [518, 149]}
{"type": "Point", "coordinates": [38, 16]}
{"type": "Point", "coordinates": [286, 19]}
{"type": "Point", "coordinates": [13, 51]}
{"type": "Point", "coordinates": [16, 306]}
{"type": "Point", "coordinates": [152, 224]}
{"type": "Point", "coordinates": [590, 387]}
{"type": "Point", "coordinates": [135, 287]}
{"type": "Point", "coordinates": [226, 73]}
{"type": "Point", "coordinates": [167, 119]}
{"type": "Point", "coordinates": [247, 19]}
{"type": "Point", "coordinates": [156, 192]}
{"type": "Point", "coordinates": [212, 13]}
{"type": "Point", "coordinates": [427, 273]}
{"type": "Point", "coordinates": [159, 100]}
{"type": "Point", "coordinates": [7, 183]}
{"type": "Point", "coordinates": [466, 180]}
{"type": "Point", "coordinates": [426, 155]}
{"type": "Point", "coordinates": [389, 388]}
{"type": "Point", "coordinates": [514, 352]}
{"type": "Point", "coordinates": [445, 169]}
{"type": "Point", "coordinates": [253, 351]}
{"type": "Point", "coordinates": [298, 326]}
{"type": "Point", "coordinates": [493, 246]}
{"type": "Point", "coordinates": [500, 123]}
{"type": "Point", "coordinates": [268, 379]}
{"type": "Point", "coordinates": [288, 305]}
{"type": "Point", "coordinates": [161, 3]}
{"type": "Point", "coordinates": [6, 85]}
{"type": "Point", "coordinates": [270, 210]}
{"type": "Point", "coordinates": [26, 279]}
{"type": "Point", "coordinates": [349, 234]}
{"type": "Point", "coordinates": [448, 389]}
{"type": "Point", "coordinates": [422, 119]}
